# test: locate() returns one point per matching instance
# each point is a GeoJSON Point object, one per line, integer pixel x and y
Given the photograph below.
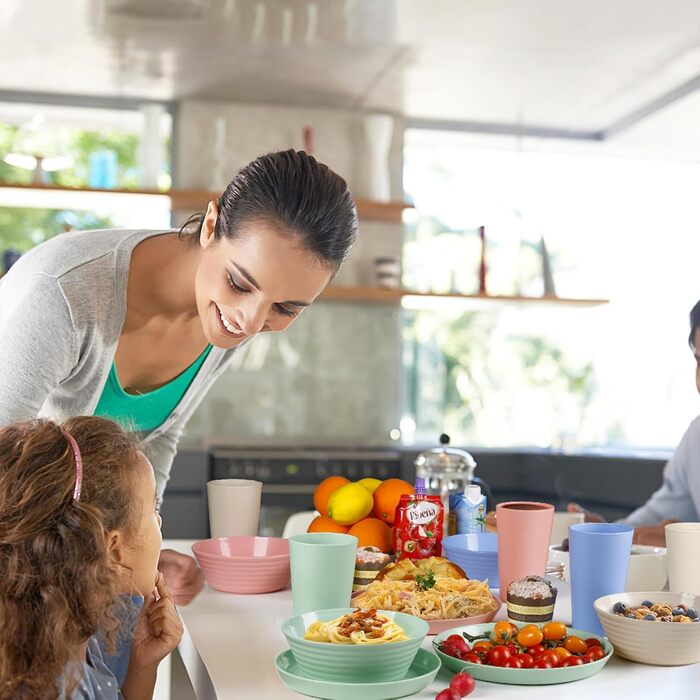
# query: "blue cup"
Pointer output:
{"type": "Point", "coordinates": [599, 558]}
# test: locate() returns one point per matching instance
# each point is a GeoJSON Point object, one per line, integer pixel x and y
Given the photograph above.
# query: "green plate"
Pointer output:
{"type": "Point", "coordinates": [522, 676]}
{"type": "Point", "coordinates": [420, 675]}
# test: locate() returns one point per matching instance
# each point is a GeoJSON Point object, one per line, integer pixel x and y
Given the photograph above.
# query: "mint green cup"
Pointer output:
{"type": "Point", "coordinates": [323, 566]}
{"type": "Point", "coordinates": [354, 663]}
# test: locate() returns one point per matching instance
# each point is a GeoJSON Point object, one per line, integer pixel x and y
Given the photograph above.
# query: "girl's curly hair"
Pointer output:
{"type": "Point", "coordinates": [58, 585]}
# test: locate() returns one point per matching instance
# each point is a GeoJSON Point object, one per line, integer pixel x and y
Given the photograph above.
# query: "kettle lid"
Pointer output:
{"type": "Point", "coordinates": [445, 458]}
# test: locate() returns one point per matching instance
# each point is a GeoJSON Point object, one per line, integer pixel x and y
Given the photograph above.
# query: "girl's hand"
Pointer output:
{"type": "Point", "coordinates": [158, 629]}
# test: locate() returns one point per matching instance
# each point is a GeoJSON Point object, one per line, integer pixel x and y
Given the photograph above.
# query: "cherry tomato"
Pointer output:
{"type": "Point", "coordinates": [502, 631]}
{"type": "Point", "coordinates": [554, 630]}
{"type": "Point", "coordinates": [513, 662]}
{"type": "Point", "coordinates": [529, 636]}
{"type": "Point", "coordinates": [543, 663]}
{"type": "Point", "coordinates": [550, 655]}
{"type": "Point", "coordinates": [594, 654]}
{"type": "Point", "coordinates": [573, 661]}
{"type": "Point", "coordinates": [575, 645]}
{"type": "Point", "coordinates": [526, 660]}
{"type": "Point", "coordinates": [537, 649]}
{"type": "Point", "coordinates": [473, 658]}
{"type": "Point", "coordinates": [463, 683]}
{"type": "Point", "coordinates": [482, 646]}
{"type": "Point", "coordinates": [593, 642]}
{"type": "Point", "coordinates": [498, 656]}
{"type": "Point", "coordinates": [562, 653]}
{"type": "Point", "coordinates": [515, 629]}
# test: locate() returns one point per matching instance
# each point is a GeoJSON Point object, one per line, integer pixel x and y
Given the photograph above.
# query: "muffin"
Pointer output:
{"type": "Point", "coordinates": [531, 599]}
{"type": "Point", "coordinates": [369, 562]}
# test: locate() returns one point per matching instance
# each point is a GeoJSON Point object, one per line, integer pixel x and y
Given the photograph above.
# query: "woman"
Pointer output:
{"type": "Point", "coordinates": [137, 325]}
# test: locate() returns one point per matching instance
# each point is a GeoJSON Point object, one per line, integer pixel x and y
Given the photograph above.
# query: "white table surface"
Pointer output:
{"type": "Point", "coordinates": [231, 641]}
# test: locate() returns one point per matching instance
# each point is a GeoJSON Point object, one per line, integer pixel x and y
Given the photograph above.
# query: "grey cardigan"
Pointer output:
{"type": "Point", "coordinates": [62, 308]}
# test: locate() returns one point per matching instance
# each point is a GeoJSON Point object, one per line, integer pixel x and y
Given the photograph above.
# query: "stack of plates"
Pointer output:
{"type": "Point", "coordinates": [476, 554]}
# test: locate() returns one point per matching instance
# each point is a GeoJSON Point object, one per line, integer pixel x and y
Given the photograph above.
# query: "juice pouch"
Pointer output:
{"type": "Point", "coordinates": [418, 525]}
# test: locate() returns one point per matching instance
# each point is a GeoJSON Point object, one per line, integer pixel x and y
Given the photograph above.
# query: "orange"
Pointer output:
{"type": "Point", "coordinates": [387, 497]}
{"type": "Point", "coordinates": [323, 523]}
{"type": "Point", "coordinates": [325, 489]}
{"type": "Point", "coordinates": [372, 532]}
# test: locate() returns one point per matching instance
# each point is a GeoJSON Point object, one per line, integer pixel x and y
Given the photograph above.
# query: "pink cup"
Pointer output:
{"type": "Point", "coordinates": [524, 529]}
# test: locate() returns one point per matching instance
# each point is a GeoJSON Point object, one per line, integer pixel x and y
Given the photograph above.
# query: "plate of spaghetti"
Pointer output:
{"type": "Point", "coordinates": [443, 602]}
{"type": "Point", "coordinates": [357, 627]}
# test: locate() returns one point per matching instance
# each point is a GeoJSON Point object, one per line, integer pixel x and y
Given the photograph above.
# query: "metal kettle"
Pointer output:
{"type": "Point", "coordinates": [448, 470]}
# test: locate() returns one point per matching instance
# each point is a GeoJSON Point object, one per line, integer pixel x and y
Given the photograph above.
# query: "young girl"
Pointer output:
{"type": "Point", "coordinates": [78, 529]}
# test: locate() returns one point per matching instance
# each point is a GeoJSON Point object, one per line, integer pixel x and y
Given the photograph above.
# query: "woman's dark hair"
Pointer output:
{"type": "Point", "coordinates": [292, 190]}
{"type": "Point", "coordinates": [694, 325]}
{"type": "Point", "coordinates": [58, 583]}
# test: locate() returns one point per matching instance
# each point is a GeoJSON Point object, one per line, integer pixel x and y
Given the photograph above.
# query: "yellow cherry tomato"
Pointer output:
{"type": "Point", "coordinates": [482, 646]}
{"type": "Point", "coordinates": [502, 631]}
{"type": "Point", "coordinates": [575, 645]}
{"type": "Point", "coordinates": [562, 653]}
{"type": "Point", "coordinates": [529, 636]}
{"type": "Point", "coordinates": [554, 631]}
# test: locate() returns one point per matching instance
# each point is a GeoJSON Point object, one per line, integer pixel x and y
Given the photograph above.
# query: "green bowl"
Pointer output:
{"type": "Point", "coordinates": [522, 676]}
{"type": "Point", "coordinates": [353, 663]}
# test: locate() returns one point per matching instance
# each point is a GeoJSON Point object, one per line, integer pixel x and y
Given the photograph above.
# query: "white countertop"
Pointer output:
{"type": "Point", "coordinates": [231, 641]}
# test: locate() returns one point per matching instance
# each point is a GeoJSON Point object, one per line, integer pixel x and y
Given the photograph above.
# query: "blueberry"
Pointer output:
{"type": "Point", "coordinates": [650, 617]}
{"type": "Point", "coordinates": [647, 604]}
{"type": "Point", "coordinates": [619, 607]}
{"type": "Point", "coordinates": [677, 611]}
{"type": "Point", "coordinates": [691, 613]}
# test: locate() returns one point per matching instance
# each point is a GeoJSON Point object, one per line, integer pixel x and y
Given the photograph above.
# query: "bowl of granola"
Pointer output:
{"type": "Point", "coordinates": [652, 627]}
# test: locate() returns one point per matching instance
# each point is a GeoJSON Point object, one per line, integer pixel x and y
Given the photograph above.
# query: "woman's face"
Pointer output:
{"type": "Point", "coordinates": [260, 281]}
{"type": "Point", "coordinates": [138, 549]}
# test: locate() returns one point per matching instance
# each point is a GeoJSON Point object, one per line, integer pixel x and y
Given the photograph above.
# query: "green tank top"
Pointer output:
{"type": "Point", "coordinates": [145, 412]}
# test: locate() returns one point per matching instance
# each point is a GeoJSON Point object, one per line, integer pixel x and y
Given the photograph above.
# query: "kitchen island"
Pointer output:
{"type": "Point", "coordinates": [231, 641]}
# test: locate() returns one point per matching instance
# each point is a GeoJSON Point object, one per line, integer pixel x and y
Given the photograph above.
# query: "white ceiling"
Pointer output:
{"type": "Point", "coordinates": [569, 65]}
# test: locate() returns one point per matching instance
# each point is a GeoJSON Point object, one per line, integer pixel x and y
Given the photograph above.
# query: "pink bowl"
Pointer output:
{"type": "Point", "coordinates": [246, 565]}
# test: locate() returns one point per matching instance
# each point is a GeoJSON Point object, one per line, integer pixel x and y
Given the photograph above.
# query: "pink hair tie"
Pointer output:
{"type": "Point", "coordinates": [78, 465]}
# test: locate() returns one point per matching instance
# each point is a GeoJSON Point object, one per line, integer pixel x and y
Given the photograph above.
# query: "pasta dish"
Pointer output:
{"type": "Point", "coordinates": [447, 599]}
{"type": "Point", "coordinates": [358, 627]}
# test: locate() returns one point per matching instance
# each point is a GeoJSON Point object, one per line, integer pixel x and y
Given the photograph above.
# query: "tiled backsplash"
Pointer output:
{"type": "Point", "coordinates": [332, 378]}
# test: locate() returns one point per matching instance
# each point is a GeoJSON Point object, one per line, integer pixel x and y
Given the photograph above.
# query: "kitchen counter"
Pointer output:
{"type": "Point", "coordinates": [231, 641]}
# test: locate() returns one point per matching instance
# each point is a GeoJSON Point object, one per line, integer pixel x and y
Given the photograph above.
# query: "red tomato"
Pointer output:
{"type": "Point", "coordinates": [537, 649]}
{"type": "Point", "coordinates": [554, 630]}
{"type": "Point", "coordinates": [594, 654]}
{"type": "Point", "coordinates": [463, 683]}
{"type": "Point", "coordinates": [513, 662]}
{"type": "Point", "coordinates": [472, 658]}
{"type": "Point", "coordinates": [575, 645]}
{"type": "Point", "coordinates": [529, 636]}
{"type": "Point", "coordinates": [498, 656]}
{"type": "Point", "coordinates": [593, 642]}
{"type": "Point", "coordinates": [548, 655]}
{"type": "Point", "coordinates": [543, 663]}
{"type": "Point", "coordinates": [572, 661]}
{"type": "Point", "coordinates": [526, 660]}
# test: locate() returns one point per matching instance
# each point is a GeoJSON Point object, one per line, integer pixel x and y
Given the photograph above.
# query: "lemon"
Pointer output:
{"type": "Point", "coordinates": [350, 503]}
{"type": "Point", "coordinates": [370, 484]}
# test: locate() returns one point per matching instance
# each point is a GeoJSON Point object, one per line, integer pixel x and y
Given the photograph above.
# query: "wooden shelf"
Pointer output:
{"type": "Point", "coordinates": [197, 200]}
{"type": "Point", "coordinates": [377, 294]}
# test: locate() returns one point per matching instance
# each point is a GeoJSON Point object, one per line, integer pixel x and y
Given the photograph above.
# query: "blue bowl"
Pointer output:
{"type": "Point", "coordinates": [477, 554]}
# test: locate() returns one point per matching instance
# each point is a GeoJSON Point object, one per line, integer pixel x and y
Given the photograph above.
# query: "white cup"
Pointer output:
{"type": "Point", "coordinates": [561, 523]}
{"type": "Point", "coordinates": [682, 547]}
{"type": "Point", "coordinates": [234, 507]}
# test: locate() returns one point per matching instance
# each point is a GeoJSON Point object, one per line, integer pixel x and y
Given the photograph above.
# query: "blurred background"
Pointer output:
{"type": "Point", "coordinates": [527, 179]}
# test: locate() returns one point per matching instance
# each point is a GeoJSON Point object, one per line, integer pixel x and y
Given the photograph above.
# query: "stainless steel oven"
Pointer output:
{"type": "Point", "coordinates": [289, 476]}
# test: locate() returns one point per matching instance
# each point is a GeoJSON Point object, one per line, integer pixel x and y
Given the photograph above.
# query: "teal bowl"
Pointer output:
{"type": "Point", "coordinates": [353, 663]}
